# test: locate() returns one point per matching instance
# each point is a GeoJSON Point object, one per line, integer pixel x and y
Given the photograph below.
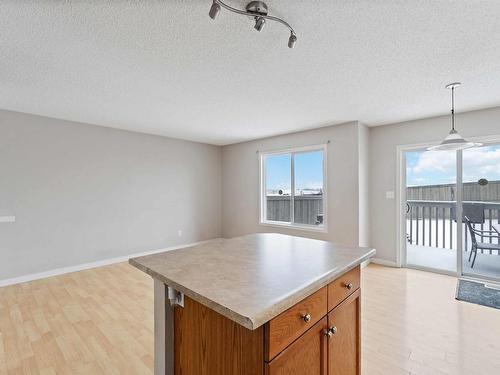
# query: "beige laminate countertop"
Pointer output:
{"type": "Point", "coordinates": [251, 279]}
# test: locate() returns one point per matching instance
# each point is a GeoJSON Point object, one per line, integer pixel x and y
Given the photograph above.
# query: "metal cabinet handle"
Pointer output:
{"type": "Point", "coordinates": [330, 332]}
{"type": "Point", "coordinates": [349, 286]}
{"type": "Point", "coordinates": [306, 318]}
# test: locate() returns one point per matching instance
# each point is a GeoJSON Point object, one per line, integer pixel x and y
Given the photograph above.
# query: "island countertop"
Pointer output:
{"type": "Point", "coordinates": [253, 278]}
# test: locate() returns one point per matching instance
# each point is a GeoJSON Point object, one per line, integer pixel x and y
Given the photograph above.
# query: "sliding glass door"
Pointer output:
{"type": "Point", "coordinates": [431, 193]}
{"type": "Point", "coordinates": [481, 209]}
{"type": "Point", "coordinates": [439, 185]}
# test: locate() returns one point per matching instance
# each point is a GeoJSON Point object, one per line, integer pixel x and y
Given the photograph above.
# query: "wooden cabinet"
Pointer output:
{"type": "Point", "coordinates": [306, 356]}
{"type": "Point", "coordinates": [344, 344]}
{"type": "Point", "coordinates": [340, 341]}
{"type": "Point", "coordinates": [318, 336]}
{"type": "Point", "coordinates": [207, 343]}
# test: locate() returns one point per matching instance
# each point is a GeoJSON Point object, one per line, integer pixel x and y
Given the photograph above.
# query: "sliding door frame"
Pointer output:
{"type": "Point", "coordinates": [401, 260]}
{"type": "Point", "coordinates": [401, 207]}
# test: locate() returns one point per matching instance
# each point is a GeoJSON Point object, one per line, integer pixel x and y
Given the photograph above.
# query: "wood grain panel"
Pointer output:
{"type": "Point", "coordinates": [338, 290]}
{"type": "Point", "coordinates": [344, 347]}
{"type": "Point", "coordinates": [289, 325]}
{"type": "Point", "coordinates": [207, 343]}
{"type": "Point", "coordinates": [306, 356]}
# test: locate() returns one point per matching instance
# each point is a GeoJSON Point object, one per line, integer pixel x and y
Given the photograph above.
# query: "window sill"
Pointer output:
{"type": "Point", "coordinates": [307, 228]}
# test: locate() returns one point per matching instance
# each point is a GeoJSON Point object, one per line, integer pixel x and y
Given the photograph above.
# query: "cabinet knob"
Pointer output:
{"type": "Point", "coordinates": [348, 286]}
{"type": "Point", "coordinates": [333, 330]}
{"type": "Point", "coordinates": [306, 318]}
{"type": "Point", "coordinates": [328, 333]}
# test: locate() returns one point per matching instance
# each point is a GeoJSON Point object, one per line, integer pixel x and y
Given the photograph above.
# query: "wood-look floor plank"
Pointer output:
{"type": "Point", "coordinates": [412, 322]}
{"type": "Point", "coordinates": [100, 321]}
{"type": "Point", "coordinates": [96, 321]}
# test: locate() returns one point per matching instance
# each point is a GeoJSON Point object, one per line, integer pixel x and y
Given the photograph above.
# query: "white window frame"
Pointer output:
{"type": "Point", "coordinates": [262, 188]}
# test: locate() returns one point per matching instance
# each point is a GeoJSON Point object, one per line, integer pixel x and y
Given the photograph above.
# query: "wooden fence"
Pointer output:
{"type": "Point", "coordinates": [308, 209]}
{"type": "Point", "coordinates": [472, 191]}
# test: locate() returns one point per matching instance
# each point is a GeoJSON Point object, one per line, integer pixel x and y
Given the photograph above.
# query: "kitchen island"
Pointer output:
{"type": "Point", "coordinates": [257, 304]}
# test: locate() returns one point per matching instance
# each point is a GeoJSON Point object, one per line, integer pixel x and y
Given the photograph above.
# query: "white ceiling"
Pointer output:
{"type": "Point", "coordinates": [164, 67]}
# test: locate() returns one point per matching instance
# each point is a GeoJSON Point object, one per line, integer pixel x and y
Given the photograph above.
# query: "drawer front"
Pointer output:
{"type": "Point", "coordinates": [343, 287]}
{"type": "Point", "coordinates": [289, 325]}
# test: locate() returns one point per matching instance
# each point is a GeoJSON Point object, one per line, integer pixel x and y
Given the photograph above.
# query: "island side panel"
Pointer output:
{"type": "Point", "coordinates": [207, 343]}
{"type": "Point", "coordinates": [163, 330]}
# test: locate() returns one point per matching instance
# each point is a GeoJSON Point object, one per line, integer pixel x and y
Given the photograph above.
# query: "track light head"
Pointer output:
{"type": "Point", "coordinates": [292, 40]}
{"type": "Point", "coordinates": [214, 10]}
{"type": "Point", "coordinates": [259, 23]}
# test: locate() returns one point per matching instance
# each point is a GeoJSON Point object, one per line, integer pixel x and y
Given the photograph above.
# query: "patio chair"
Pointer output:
{"type": "Point", "coordinates": [480, 245]}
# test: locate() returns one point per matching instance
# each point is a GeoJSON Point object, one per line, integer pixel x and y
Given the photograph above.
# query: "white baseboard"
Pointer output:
{"type": "Point", "coordinates": [86, 266]}
{"type": "Point", "coordinates": [383, 262]}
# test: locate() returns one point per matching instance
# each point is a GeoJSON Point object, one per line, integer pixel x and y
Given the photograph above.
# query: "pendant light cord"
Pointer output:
{"type": "Point", "coordinates": [453, 108]}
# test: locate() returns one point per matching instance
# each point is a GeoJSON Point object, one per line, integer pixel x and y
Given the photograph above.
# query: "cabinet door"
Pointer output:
{"type": "Point", "coordinates": [306, 356]}
{"type": "Point", "coordinates": [344, 349]}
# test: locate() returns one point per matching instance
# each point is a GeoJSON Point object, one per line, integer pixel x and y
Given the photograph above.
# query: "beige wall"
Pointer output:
{"type": "Point", "coordinates": [383, 165]}
{"type": "Point", "coordinates": [240, 187]}
{"type": "Point", "coordinates": [84, 193]}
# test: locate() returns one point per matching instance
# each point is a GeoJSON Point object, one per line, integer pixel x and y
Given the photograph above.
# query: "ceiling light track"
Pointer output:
{"type": "Point", "coordinates": [259, 11]}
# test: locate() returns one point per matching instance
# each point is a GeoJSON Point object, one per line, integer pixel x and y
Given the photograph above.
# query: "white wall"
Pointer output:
{"type": "Point", "coordinates": [240, 187]}
{"type": "Point", "coordinates": [383, 165]}
{"type": "Point", "coordinates": [82, 193]}
{"type": "Point", "coordinates": [364, 184]}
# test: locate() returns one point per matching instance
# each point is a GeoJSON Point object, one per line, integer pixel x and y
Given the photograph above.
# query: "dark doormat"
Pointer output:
{"type": "Point", "coordinates": [474, 292]}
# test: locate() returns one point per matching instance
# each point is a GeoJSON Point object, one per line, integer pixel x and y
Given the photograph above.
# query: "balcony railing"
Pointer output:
{"type": "Point", "coordinates": [432, 223]}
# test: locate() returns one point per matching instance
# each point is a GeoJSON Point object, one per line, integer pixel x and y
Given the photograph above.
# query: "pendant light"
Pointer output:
{"type": "Point", "coordinates": [453, 140]}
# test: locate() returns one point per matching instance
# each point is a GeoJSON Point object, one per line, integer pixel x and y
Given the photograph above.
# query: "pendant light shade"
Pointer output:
{"type": "Point", "coordinates": [453, 141]}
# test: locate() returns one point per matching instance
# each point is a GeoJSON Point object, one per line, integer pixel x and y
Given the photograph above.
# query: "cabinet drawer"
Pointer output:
{"type": "Point", "coordinates": [290, 324]}
{"type": "Point", "coordinates": [342, 287]}
{"type": "Point", "coordinates": [306, 356]}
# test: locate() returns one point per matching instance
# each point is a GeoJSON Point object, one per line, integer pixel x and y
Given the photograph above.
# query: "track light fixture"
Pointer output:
{"type": "Point", "coordinates": [257, 10]}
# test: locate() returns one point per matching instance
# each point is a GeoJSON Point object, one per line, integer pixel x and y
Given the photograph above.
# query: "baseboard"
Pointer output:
{"type": "Point", "coordinates": [383, 262]}
{"type": "Point", "coordinates": [86, 266]}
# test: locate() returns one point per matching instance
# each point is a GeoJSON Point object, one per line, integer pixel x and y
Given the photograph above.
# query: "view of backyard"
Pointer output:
{"type": "Point", "coordinates": [431, 228]}
{"type": "Point", "coordinates": [294, 187]}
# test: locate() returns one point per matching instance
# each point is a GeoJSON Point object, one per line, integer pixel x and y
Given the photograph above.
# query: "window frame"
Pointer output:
{"type": "Point", "coordinates": [262, 188]}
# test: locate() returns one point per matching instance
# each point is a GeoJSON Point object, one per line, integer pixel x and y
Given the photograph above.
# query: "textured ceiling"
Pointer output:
{"type": "Point", "coordinates": [164, 67]}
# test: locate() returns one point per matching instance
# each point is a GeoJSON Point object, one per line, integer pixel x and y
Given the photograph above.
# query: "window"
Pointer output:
{"type": "Point", "coordinates": [293, 187]}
